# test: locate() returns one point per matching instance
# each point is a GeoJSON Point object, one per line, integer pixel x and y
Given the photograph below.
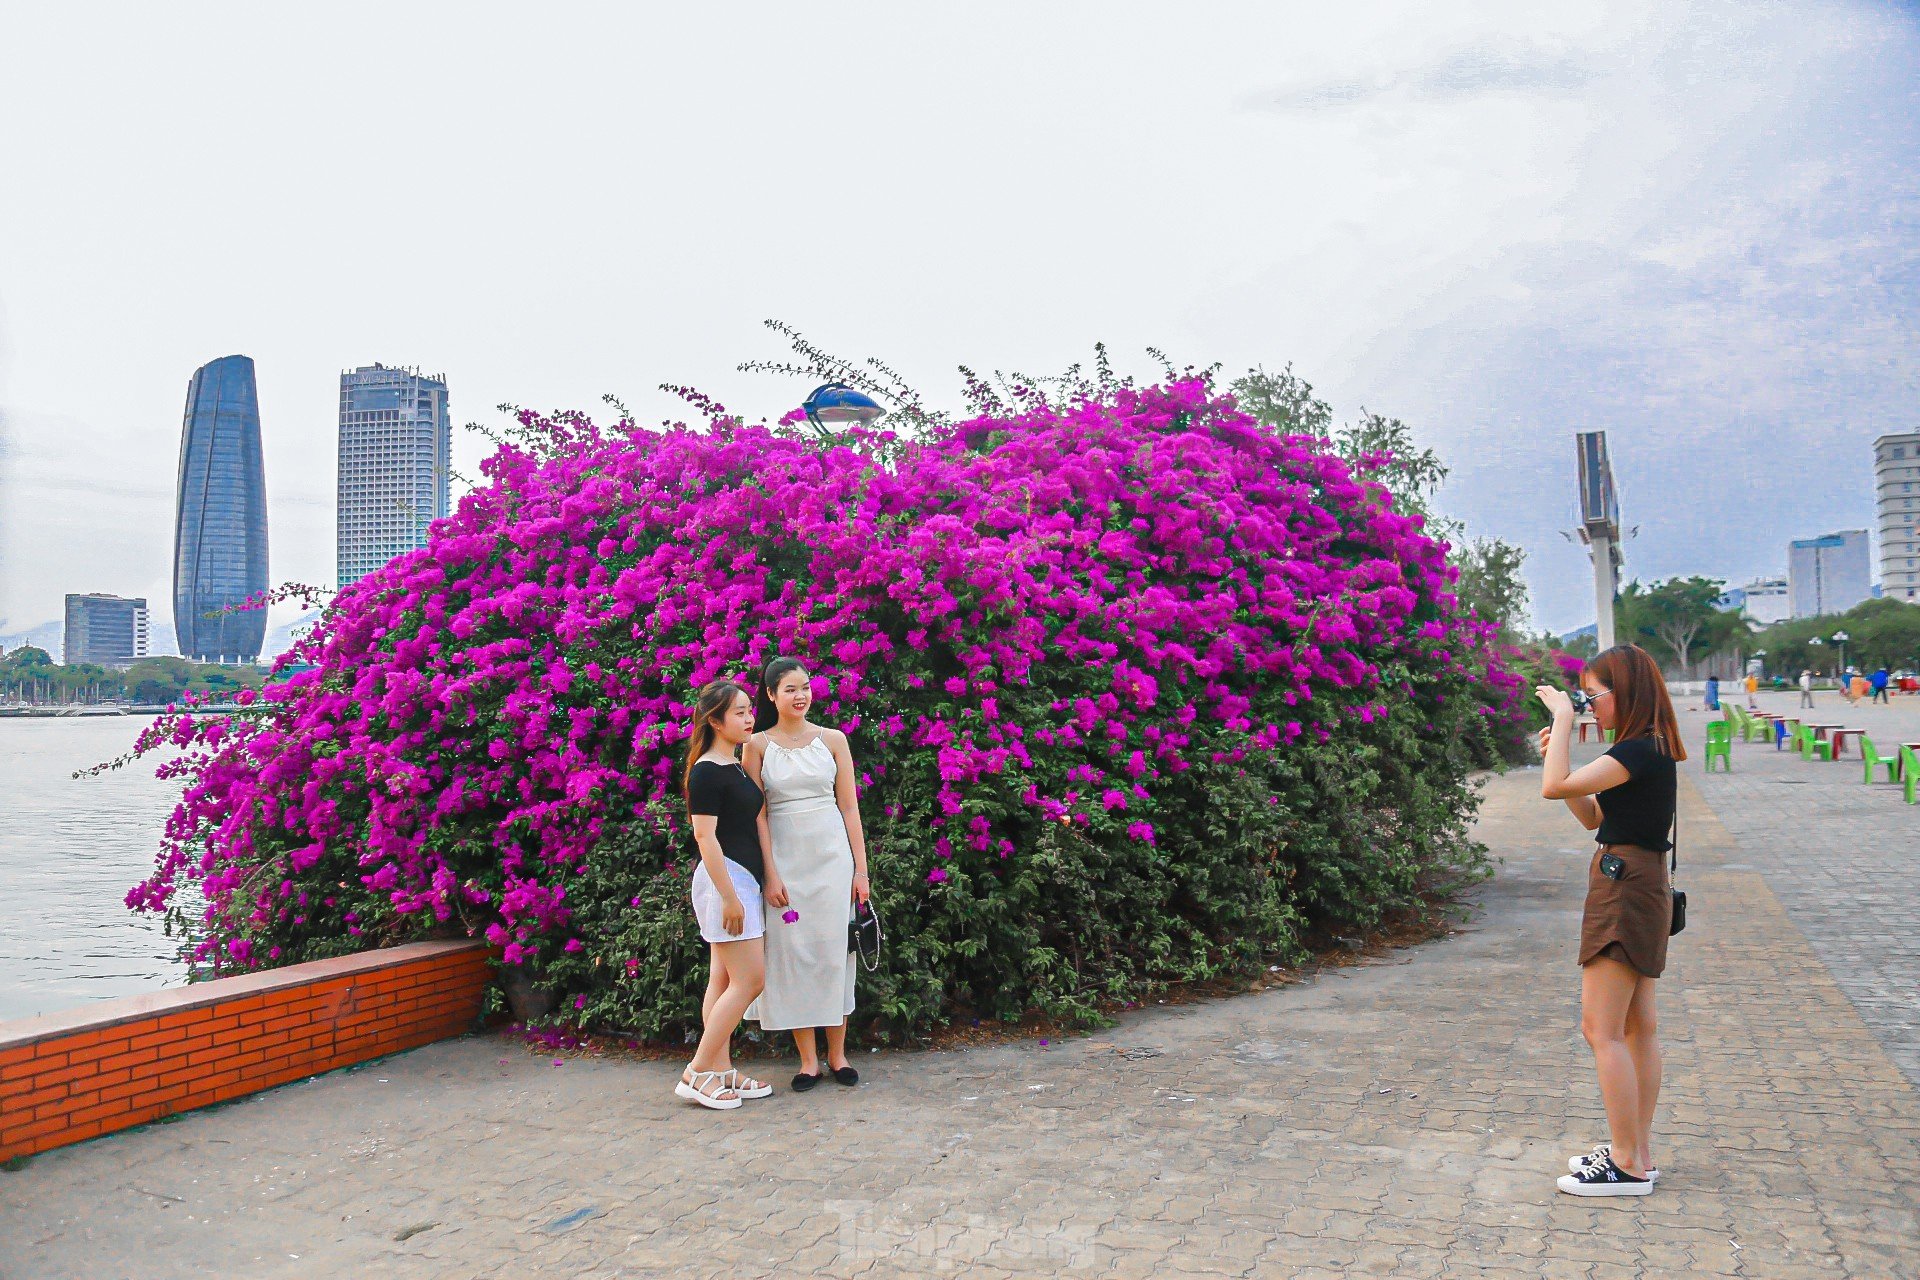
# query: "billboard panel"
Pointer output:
{"type": "Point", "coordinates": [1599, 504]}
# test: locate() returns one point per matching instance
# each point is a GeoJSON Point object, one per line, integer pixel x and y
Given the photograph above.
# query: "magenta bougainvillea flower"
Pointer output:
{"type": "Point", "coordinates": [790, 915]}
{"type": "Point", "coordinates": [1136, 686]}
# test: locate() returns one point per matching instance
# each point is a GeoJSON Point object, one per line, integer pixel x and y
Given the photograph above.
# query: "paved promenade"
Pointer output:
{"type": "Point", "coordinates": [1402, 1118]}
{"type": "Point", "coordinates": [1842, 857]}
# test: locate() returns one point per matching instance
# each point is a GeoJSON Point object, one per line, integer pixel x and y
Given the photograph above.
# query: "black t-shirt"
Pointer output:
{"type": "Point", "coordinates": [728, 794]}
{"type": "Point", "coordinates": [1639, 810]}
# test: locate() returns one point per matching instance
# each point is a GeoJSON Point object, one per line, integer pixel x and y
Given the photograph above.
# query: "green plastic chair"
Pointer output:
{"type": "Point", "coordinates": [1719, 745]}
{"type": "Point", "coordinates": [1811, 748]}
{"type": "Point", "coordinates": [1909, 772]}
{"type": "Point", "coordinates": [1874, 760]}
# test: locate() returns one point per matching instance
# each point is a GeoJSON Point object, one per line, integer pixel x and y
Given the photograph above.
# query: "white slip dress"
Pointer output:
{"type": "Point", "coordinates": [809, 969]}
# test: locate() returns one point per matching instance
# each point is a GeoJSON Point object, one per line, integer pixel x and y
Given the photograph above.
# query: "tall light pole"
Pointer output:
{"type": "Point", "coordinates": [1599, 529]}
{"type": "Point", "coordinates": [1840, 638]}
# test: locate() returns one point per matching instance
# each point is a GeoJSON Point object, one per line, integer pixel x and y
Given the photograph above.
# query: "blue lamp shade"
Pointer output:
{"type": "Point", "coordinates": [838, 402]}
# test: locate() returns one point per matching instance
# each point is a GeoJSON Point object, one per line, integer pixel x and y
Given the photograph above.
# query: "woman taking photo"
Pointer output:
{"type": "Point", "coordinates": [1626, 798]}
{"type": "Point", "coordinates": [813, 826]}
{"type": "Point", "coordinates": [729, 825]}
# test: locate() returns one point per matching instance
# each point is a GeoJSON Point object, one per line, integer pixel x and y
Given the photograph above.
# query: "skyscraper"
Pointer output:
{"type": "Point", "coordinates": [395, 438]}
{"type": "Point", "coordinates": [1828, 574]}
{"type": "Point", "coordinates": [220, 528]}
{"type": "Point", "coordinates": [108, 630]}
{"type": "Point", "coordinates": [1896, 491]}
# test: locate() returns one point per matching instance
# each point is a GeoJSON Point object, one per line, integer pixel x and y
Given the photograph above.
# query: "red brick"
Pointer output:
{"type": "Point", "coordinates": [38, 1129]}
{"type": "Point", "coordinates": [183, 1075]}
{"type": "Point", "coordinates": [31, 1066]}
{"type": "Point", "coordinates": [179, 1019]}
{"type": "Point", "coordinates": [66, 1106]}
{"type": "Point", "coordinates": [136, 1089]}
{"type": "Point", "coordinates": [65, 1074]}
{"type": "Point", "coordinates": [29, 1103]}
{"type": "Point", "coordinates": [102, 1111]}
{"type": "Point", "coordinates": [148, 1038]}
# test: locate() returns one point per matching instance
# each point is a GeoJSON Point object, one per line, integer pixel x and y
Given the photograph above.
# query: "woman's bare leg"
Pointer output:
{"type": "Point", "coordinates": [746, 966]}
{"type": "Point", "coordinates": [809, 1051]}
{"type": "Point", "coordinates": [1606, 991]}
{"type": "Point", "coordinates": [837, 1046]}
{"type": "Point", "coordinates": [716, 983]}
{"type": "Point", "coordinates": [1643, 1043]}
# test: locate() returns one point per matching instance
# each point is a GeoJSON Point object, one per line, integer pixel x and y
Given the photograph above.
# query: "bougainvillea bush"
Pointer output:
{"type": "Point", "coordinates": [1140, 691]}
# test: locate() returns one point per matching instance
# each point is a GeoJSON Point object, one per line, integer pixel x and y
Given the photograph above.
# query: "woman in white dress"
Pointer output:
{"type": "Point", "coordinates": [814, 833]}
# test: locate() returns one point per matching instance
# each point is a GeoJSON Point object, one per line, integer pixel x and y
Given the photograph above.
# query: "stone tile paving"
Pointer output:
{"type": "Point", "coordinates": [1843, 857]}
{"type": "Point", "coordinates": [1403, 1118]}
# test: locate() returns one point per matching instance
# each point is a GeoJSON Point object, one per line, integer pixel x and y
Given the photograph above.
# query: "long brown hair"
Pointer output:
{"type": "Point", "coordinates": [1641, 707]}
{"type": "Point", "coordinates": [713, 701]}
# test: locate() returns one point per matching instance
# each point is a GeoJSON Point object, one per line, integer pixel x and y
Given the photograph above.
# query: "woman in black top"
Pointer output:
{"type": "Point", "coordinates": [1627, 798]}
{"type": "Point", "coordinates": [735, 879]}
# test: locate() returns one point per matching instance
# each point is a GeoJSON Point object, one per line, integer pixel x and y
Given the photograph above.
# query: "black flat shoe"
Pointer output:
{"type": "Point", "coordinates": [804, 1082]}
{"type": "Point", "coordinates": [846, 1075]}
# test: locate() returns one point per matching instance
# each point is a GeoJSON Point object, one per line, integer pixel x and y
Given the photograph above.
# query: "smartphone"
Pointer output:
{"type": "Point", "coordinates": [1612, 866]}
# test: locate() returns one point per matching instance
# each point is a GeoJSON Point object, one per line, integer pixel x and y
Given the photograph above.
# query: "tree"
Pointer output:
{"type": "Point", "coordinates": [1678, 614]}
{"type": "Point", "coordinates": [1491, 584]}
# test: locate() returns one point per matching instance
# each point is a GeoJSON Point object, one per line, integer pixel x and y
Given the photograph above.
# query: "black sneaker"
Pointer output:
{"type": "Point", "coordinates": [1602, 1177]}
{"type": "Point", "coordinates": [1604, 1149]}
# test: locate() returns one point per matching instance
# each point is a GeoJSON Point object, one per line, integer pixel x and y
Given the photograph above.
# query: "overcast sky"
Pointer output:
{"type": "Point", "coordinates": [1694, 225]}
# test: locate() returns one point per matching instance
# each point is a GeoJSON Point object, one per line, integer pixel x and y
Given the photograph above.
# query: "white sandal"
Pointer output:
{"type": "Point", "coordinates": [748, 1087]}
{"type": "Point", "coordinates": [694, 1089]}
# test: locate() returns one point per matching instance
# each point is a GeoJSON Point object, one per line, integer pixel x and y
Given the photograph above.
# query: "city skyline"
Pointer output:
{"type": "Point", "coordinates": [1699, 234]}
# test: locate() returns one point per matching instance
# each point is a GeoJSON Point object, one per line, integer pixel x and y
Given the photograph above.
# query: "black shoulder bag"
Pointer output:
{"type": "Point", "coordinates": [1673, 868]}
{"type": "Point", "coordinates": [864, 935]}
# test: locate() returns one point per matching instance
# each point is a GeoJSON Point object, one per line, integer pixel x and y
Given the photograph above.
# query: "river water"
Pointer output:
{"type": "Point", "coordinates": [69, 851]}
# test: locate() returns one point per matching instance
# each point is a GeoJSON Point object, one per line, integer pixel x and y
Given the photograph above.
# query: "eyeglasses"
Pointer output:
{"type": "Point", "coordinates": [1583, 701]}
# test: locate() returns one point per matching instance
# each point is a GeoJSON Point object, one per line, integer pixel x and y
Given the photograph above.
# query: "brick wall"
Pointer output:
{"type": "Point", "coordinates": [69, 1076]}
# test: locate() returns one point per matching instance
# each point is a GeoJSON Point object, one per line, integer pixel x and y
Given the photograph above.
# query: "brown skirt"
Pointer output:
{"type": "Point", "coordinates": [1628, 918]}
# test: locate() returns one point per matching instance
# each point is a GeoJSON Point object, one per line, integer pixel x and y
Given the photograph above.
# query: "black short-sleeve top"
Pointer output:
{"type": "Point", "coordinates": [730, 796]}
{"type": "Point", "coordinates": [1640, 810]}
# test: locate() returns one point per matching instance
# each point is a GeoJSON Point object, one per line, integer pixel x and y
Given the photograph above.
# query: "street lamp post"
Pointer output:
{"type": "Point", "coordinates": [838, 402]}
{"type": "Point", "coordinates": [1840, 638]}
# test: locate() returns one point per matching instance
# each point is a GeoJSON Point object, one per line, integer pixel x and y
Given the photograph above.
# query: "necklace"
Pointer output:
{"type": "Point", "coordinates": [789, 746]}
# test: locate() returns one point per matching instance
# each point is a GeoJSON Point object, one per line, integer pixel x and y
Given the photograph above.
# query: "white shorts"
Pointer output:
{"type": "Point", "coordinates": [708, 904]}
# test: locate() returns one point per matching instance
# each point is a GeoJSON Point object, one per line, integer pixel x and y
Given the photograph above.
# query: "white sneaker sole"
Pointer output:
{"type": "Point", "coordinates": [1575, 1162]}
{"type": "Point", "coordinates": [691, 1094]}
{"type": "Point", "coordinates": [1574, 1187]}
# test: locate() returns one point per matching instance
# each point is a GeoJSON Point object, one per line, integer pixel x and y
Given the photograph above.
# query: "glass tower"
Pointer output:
{"type": "Point", "coordinates": [395, 438]}
{"type": "Point", "coordinates": [220, 529]}
{"type": "Point", "coordinates": [109, 630]}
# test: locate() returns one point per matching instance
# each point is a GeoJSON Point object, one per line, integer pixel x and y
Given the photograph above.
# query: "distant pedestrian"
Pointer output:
{"type": "Point", "coordinates": [1627, 798]}
{"type": "Point", "coordinates": [1847, 688]}
{"type": "Point", "coordinates": [1879, 681]}
{"type": "Point", "coordinates": [1753, 690]}
{"type": "Point", "coordinates": [1713, 693]}
{"type": "Point", "coordinates": [1806, 687]}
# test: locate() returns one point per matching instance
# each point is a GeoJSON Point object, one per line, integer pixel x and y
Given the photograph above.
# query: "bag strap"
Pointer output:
{"type": "Point", "coordinates": [1673, 846]}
